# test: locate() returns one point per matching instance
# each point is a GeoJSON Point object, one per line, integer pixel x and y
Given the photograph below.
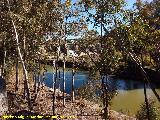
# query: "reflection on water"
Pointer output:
{"type": "Point", "coordinates": [80, 80]}
{"type": "Point", "coordinates": [130, 93]}
{"type": "Point", "coordinates": [131, 84]}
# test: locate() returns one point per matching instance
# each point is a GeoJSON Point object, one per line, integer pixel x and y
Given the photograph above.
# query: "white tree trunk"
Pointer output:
{"type": "Point", "coordinates": [73, 79]}
{"type": "Point", "coordinates": [23, 65]}
{"type": "Point", "coordinates": [21, 59]}
{"type": "Point", "coordinates": [64, 84]}
{"type": "Point", "coordinates": [53, 78]}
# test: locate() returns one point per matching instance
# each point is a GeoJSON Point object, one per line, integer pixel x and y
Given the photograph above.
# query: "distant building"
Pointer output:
{"type": "Point", "coordinates": [82, 54]}
{"type": "Point", "coordinates": [71, 53]}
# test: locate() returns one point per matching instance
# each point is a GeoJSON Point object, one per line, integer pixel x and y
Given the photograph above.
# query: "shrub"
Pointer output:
{"type": "Point", "coordinates": [153, 111]}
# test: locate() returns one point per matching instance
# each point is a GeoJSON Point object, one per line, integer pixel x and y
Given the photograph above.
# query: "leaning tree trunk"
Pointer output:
{"type": "Point", "coordinates": [24, 59]}
{"type": "Point", "coordinates": [21, 59]}
{"type": "Point", "coordinates": [145, 92]}
{"type": "Point", "coordinates": [146, 101]}
{"type": "Point", "coordinates": [23, 65]}
{"type": "Point", "coordinates": [144, 74]}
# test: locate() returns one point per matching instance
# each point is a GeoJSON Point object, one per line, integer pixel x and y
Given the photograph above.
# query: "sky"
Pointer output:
{"type": "Point", "coordinates": [131, 2]}
{"type": "Point", "coordinates": [90, 27]}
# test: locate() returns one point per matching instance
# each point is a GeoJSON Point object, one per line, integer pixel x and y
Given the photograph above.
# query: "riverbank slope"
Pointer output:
{"type": "Point", "coordinates": [80, 108]}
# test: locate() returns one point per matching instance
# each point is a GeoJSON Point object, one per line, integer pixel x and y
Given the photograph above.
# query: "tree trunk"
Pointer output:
{"type": "Point", "coordinates": [4, 59]}
{"type": "Point", "coordinates": [34, 78]}
{"type": "Point", "coordinates": [17, 75]}
{"type": "Point", "coordinates": [24, 59]}
{"type": "Point", "coordinates": [73, 78]}
{"type": "Point", "coordinates": [143, 72]}
{"type": "Point", "coordinates": [55, 79]}
{"type": "Point", "coordinates": [54, 92]}
{"type": "Point", "coordinates": [105, 96]}
{"type": "Point", "coordinates": [44, 73]}
{"type": "Point", "coordinates": [21, 59]}
{"type": "Point", "coordinates": [142, 60]}
{"type": "Point", "coordinates": [64, 65]}
{"type": "Point", "coordinates": [3, 97]}
{"type": "Point", "coordinates": [103, 72]}
{"type": "Point", "coordinates": [64, 61]}
{"type": "Point", "coordinates": [146, 102]}
{"type": "Point", "coordinates": [0, 70]}
{"type": "Point", "coordinates": [59, 82]}
{"type": "Point", "coordinates": [39, 80]}
{"type": "Point", "coordinates": [23, 65]}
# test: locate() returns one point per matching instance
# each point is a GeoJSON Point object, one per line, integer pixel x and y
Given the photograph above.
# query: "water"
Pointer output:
{"type": "Point", "coordinates": [80, 79]}
{"type": "Point", "coordinates": [130, 93]}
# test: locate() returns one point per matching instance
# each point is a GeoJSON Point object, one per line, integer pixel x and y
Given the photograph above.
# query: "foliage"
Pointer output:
{"type": "Point", "coordinates": [89, 90]}
{"type": "Point", "coordinates": [92, 90]}
{"type": "Point", "coordinates": [153, 111]}
{"type": "Point", "coordinates": [34, 21]}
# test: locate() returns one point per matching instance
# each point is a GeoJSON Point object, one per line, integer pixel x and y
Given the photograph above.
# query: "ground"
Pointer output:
{"type": "Point", "coordinates": [79, 109]}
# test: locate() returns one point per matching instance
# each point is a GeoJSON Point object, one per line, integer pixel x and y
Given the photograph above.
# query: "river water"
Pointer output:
{"type": "Point", "coordinates": [130, 93]}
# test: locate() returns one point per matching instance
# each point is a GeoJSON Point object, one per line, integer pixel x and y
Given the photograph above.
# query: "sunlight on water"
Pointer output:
{"type": "Point", "coordinates": [130, 93]}
{"type": "Point", "coordinates": [128, 101]}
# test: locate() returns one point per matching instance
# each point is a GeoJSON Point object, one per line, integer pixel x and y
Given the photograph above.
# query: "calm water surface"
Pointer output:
{"type": "Point", "coordinates": [130, 93]}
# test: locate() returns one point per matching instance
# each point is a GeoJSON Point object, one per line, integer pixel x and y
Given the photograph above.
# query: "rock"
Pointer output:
{"type": "Point", "coordinates": [3, 97]}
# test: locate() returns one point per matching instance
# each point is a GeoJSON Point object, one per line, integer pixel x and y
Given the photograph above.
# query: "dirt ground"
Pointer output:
{"type": "Point", "coordinates": [80, 109]}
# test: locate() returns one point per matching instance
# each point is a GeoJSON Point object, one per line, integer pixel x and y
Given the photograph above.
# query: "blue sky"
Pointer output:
{"type": "Point", "coordinates": [129, 6]}
{"type": "Point", "coordinates": [131, 2]}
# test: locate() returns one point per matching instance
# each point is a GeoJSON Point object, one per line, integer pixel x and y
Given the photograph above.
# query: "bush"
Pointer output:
{"type": "Point", "coordinates": [153, 111]}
